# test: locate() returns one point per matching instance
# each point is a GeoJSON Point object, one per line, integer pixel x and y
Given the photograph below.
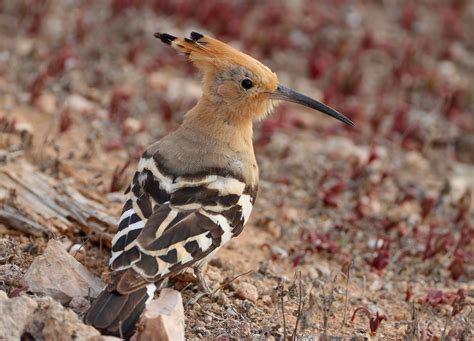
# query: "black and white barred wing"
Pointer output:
{"type": "Point", "coordinates": [201, 214]}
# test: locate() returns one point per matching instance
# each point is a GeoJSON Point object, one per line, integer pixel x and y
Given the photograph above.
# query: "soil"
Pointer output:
{"type": "Point", "coordinates": [349, 222]}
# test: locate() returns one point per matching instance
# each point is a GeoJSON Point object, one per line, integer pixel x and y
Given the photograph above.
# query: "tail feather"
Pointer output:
{"type": "Point", "coordinates": [116, 314]}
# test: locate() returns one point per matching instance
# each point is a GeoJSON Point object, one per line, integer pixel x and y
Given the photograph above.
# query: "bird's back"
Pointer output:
{"type": "Point", "coordinates": [189, 196]}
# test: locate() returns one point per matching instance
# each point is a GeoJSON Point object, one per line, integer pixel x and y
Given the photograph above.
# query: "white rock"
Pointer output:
{"type": "Point", "coordinates": [16, 315]}
{"type": "Point", "coordinates": [163, 318]}
{"type": "Point", "coordinates": [77, 251]}
{"type": "Point", "coordinates": [375, 286]}
{"type": "Point", "coordinates": [58, 274]}
{"type": "Point", "coordinates": [41, 317]}
{"type": "Point", "coordinates": [461, 180]}
{"type": "Point", "coordinates": [59, 323]}
{"type": "Point", "coordinates": [323, 268]}
{"type": "Point", "coordinates": [24, 46]}
{"type": "Point", "coordinates": [23, 127]}
{"type": "Point", "coordinates": [78, 104]}
{"type": "Point", "coordinates": [132, 125]}
{"type": "Point", "coordinates": [47, 103]}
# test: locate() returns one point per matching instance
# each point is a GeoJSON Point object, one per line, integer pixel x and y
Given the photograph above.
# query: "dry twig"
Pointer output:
{"type": "Point", "coordinates": [346, 298]}
{"type": "Point", "coordinates": [300, 306]}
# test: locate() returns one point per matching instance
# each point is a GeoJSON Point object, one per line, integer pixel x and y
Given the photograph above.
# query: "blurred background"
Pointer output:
{"type": "Point", "coordinates": [85, 87]}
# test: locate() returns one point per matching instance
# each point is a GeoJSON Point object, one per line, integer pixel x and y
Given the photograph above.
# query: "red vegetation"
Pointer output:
{"type": "Point", "coordinates": [374, 320]}
{"type": "Point", "coordinates": [381, 258]}
{"type": "Point", "coordinates": [57, 65]}
{"type": "Point", "coordinates": [118, 104]}
{"type": "Point", "coordinates": [65, 121]}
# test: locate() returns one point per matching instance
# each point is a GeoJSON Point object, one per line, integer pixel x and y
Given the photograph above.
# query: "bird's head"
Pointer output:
{"type": "Point", "coordinates": [237, 84]}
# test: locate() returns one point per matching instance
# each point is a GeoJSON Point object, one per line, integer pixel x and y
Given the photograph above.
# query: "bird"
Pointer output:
{"type": "Point", "coordinates": [194, 189]}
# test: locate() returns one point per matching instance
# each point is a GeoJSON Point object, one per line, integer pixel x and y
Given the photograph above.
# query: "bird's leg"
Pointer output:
{"type": "Point", "coordinates": [199, 272]}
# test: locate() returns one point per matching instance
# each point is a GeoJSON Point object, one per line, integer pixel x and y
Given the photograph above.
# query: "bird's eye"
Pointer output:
{"type": "Point", "coordinates": [247, 83]}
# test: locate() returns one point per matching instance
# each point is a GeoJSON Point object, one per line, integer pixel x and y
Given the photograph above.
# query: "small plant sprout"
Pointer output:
{"type": "Point", "coordinates": [374, 320]}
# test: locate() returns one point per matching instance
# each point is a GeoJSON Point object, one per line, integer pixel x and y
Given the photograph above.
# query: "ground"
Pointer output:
{"type": "Point", "coordinates": [349, 222]}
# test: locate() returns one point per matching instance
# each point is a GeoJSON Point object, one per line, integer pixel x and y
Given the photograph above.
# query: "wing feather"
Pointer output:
{"type": "Point", "coordinates": [168, 224]}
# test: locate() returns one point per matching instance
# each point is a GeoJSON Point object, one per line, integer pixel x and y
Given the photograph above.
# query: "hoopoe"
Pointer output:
{"type": "Point", "coordinates": [194, 189]}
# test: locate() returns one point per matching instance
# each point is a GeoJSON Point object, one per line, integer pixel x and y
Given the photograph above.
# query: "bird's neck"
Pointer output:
{"type": "Point", "coordinates": [222, 124]}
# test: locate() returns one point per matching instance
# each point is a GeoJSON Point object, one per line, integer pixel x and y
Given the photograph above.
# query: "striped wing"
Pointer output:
{"type": "Point", "coordinates": [170, 223]}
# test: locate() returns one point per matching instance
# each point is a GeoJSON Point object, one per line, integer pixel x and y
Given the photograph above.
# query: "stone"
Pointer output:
{"type": "Point", "coordinates": [60, 323]}
{"type": "Point", "coordinates": [16, 315]}
{"type": "Point", "coordinates": [80, 105]}
{"type": "Point", "coordinates": [78, 251]}
{"type": "Point", "coordinates": [163, 318]}
{"type": "Point", "coordinates": [24, 46]}
{"type": "Point", "coordinates": [323, 268]}
{"type": "Point", "coordinates": [58, 274]}
{"type": "Point", "coordinates": [267, 300]}
{"type": "Point", "coordinates": [24, 128]}
{"type": "Point", "coordinates": [10, 275]}
{"type": "Point", "coordinates": [47, 103]}
{"type": "Point", "coordinates": [132, 126]}
{"type": "Point", "coordinates": [247, 291]}
{"type": "Point", "coordinates": [376, 285]}
{"type": "Point", "coordinates": [291, 214]}
{"type": "Point", "coordinates": [222, 299]}
{"type": "Point", "coordinates": [42, 318]}
{"type": "Point", "coordinates": [80, 305]}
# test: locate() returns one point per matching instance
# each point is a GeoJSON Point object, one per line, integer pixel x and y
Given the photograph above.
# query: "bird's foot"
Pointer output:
{"type": "Point", "coordinates": [203, 286]}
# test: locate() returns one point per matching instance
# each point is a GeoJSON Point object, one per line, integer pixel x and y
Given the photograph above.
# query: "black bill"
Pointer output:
{"type": "Point", "coordinates": [286, 94]}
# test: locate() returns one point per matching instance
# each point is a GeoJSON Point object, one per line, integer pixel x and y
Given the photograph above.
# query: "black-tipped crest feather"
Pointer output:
{"type": "Point", "coordinates": [195, 43]}
{"type": "Point", "coordinates": [165, 37]}
{"type": "Point", "coordinates": [196, 36]}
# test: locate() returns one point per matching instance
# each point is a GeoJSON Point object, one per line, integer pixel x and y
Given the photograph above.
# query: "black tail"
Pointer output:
{"type": "Point", "coordinates": [116, 314]}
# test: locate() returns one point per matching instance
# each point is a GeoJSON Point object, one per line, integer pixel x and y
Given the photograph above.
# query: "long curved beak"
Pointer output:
{"type": "Point", "coordinates": [287, 94]}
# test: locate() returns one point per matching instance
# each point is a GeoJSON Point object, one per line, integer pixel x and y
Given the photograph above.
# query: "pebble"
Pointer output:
{"type": "Point", "coordinates": [78, 104]}
{"type": "Point", "coordinates": [202, 331]}
{"type": "Point", "coordinates": [247, 291]}
{"type": "Point", "coordinates": [47, 103]}
{"type": "Point", "coordinates": [222, 299]}
{"type": "Point", "coordinates": [323, 269]}
{"type": "Point", "coordinates": [132, 126]}
{"type": "Point", "coordinates": [80, 305]}
{"type": "Point", "coordinates": [78, 251]}
{"type": "Point", "coordinates": [267, 300]}
{"type": "Point", "coordinates": [375, 286]}
{"type": "Point", "coordinates": [231, 311]}
{"type": "Point", "coordinates": [291, 214]}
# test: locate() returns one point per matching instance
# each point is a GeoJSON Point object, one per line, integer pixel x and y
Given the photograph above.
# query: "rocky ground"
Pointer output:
{"type": "Point", "coordinates": [356, 231]}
